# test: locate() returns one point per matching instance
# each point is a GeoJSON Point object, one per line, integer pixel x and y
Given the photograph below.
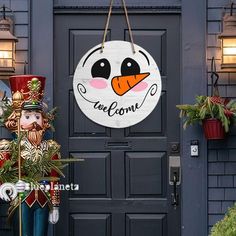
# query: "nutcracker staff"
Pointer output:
{"type": "Point", "coordinates": [33, 208]}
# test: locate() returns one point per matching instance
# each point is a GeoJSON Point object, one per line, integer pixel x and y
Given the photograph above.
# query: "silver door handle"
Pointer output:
{"type": "Point", "coordinates": [174, 170]}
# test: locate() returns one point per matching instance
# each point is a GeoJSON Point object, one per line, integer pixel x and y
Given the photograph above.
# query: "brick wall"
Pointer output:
{"type": "Point", "coordinates": [21, 31]}
{"type": "Point", "coordinates": [221, 154]}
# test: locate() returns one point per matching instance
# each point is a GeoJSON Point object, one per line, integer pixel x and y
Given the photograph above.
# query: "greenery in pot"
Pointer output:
{"type": "Point", "coordinates": [209, 108]}
{"type": "Point", "coordinates": [227, 226]}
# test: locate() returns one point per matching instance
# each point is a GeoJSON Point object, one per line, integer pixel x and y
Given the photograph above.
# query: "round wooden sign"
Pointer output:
{"type": "Point", "coordinates": [117, 88]}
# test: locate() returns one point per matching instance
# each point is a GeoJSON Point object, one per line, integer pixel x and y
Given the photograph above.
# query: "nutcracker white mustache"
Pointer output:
{"type": "Point", "coordinates": [34, 133]}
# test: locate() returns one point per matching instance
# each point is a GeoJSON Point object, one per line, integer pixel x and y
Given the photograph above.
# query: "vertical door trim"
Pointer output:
{"type": "Point", "coordinates": [194, 82]}
{"type": "Point", "coordinates": [41, 43]}
{"type": "Point", "coordinates": [41, 49]}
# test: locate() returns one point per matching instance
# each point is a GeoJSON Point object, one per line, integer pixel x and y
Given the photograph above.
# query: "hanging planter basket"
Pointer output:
{"type": "Point", "coordinates": [213, 129]}
{"type": "Point", "coordinates": [214, 112]}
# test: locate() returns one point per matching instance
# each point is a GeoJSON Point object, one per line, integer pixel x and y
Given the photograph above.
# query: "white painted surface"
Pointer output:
{"type": "Point", "coordinates": [118, 111]}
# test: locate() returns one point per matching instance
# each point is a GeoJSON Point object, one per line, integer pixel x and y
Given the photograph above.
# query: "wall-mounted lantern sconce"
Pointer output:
{"type": "Point", "coordinates": [7, 46]}
{"type": "Point", "coordinates": [228, 40]}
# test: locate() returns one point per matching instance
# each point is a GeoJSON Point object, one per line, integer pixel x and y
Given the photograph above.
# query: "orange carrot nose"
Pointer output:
{"type": "Point", "coordinates": [122, 84]}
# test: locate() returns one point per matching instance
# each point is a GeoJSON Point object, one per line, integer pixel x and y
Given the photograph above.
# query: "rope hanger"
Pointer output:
{"type": "Point", "coordinates": [128, 24]}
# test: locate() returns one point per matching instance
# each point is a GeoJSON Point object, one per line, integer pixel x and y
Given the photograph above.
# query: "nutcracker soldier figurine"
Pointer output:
{"type": "Point", "coordinates": [32, 157]}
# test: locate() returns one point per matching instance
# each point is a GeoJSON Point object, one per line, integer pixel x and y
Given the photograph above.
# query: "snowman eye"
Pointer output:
{"type": "Point", "coordinates": [130, 67]}
{"type": "Point", "coordinates": [101, 68]}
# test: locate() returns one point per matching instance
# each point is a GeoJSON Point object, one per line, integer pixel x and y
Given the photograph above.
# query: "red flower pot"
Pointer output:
{"type": "Point", "coordinates": [213, 129]}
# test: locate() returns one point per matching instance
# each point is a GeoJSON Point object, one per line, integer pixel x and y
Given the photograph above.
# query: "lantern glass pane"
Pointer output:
{"type": "Point", "coordinates": [6, 62]}
{"type": "Point", "coordinates": [229, 51]}
{"type": "Point", "coordinates": [5, 54]}
{"type": "Point", "coordinates": [229, 59]}
{"type": "Point", "coordinates": [229, 42]}
{"type": "Point", "coordinates": [5, 46]}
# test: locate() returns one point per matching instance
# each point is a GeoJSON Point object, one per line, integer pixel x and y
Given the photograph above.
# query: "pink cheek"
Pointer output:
{"type": "Point", "coordinates": [98, 83]}
{"type": "Point", "coordinates": [140, 87]}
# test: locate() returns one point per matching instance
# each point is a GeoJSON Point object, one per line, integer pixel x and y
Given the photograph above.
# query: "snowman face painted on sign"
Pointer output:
{"type": "Point", "coordinates": [117, 88]}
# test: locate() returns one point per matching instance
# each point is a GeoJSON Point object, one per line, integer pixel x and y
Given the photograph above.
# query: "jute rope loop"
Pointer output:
{"type": "Point", "coordinates": [128, 24]}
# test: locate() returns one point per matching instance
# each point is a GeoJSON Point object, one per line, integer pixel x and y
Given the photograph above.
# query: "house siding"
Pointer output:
{"type": "Point", "coordinates": [221, 154]}
{"type": "Point", "coordinates": [20, 9]}
{"type": "Point", "coordinates": [21, 30]}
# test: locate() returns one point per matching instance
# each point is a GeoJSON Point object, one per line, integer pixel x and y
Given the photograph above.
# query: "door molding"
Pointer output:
{"type": "Point", "coordinates": [130, 3]}
{"type": "Point", "coordinates": [194, 81]}
{"type": "Point", "coordinates": [116, 9]}
{"type": "Point", "coordinates": [41, 51]}
{"type": "Point", "coordinates": [66, 24]}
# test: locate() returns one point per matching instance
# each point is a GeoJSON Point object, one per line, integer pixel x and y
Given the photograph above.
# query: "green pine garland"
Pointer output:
{"type": "Point", "coordinates": [8, 173]}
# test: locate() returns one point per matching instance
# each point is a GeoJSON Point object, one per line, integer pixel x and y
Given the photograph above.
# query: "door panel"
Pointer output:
{"type": "Point", "coordinates": [80, 40]}
{"type": "Point", "coordinates": [90, 224]}
{"type": "Point", "coordinates": [98, 165]}
{"type": "Point", "coordinates": [148, 38]}
{"type": "Point", "coordinates": [84, 127]}
{"type": "Point", "coordinates": [143, 225]}
{"type": "Point", "coordinates": [145, 182]}
{"type": "Point", "coordinates": [153, 125]}
{"type": "Point", "coordinates": [124, 189]}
